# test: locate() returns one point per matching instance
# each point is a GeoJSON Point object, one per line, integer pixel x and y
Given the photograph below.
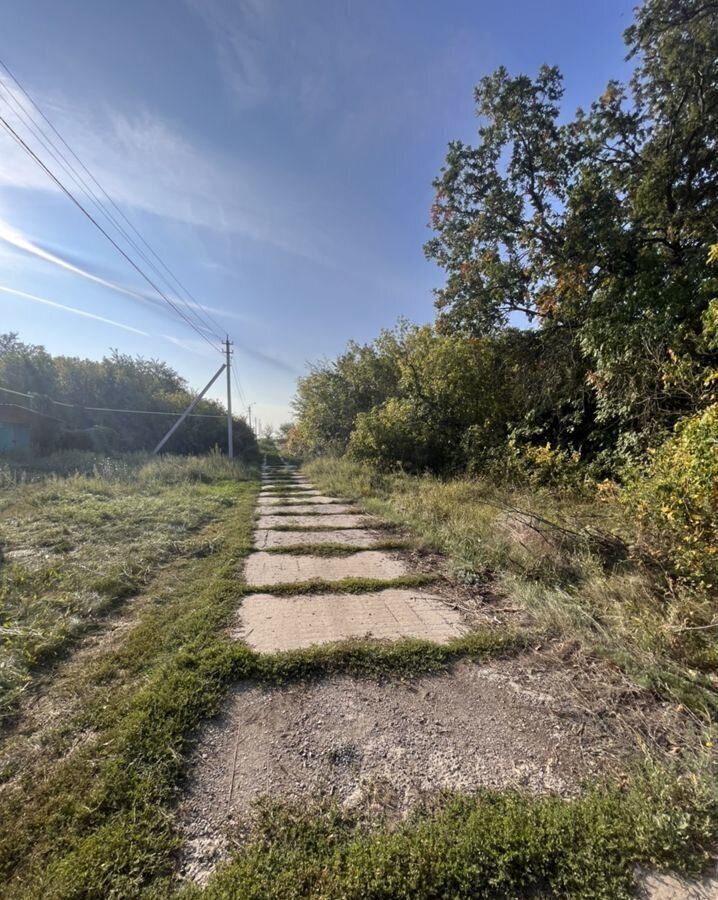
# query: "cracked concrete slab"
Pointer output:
{"type": "Point", "coordinates": [269, 624]}
{"type": "Point", "coordinates": [272, 568]}
{"type": "Point", "coordinates": [350, 537]}
{"type": "Point", "coordinates": [329, 520]}
{"type": "Point", "coordinates": [292, 489]}
{"type": "Point", "coordinates": [292, 500]}
{"type": "Point", "coordinates": [308, 509]}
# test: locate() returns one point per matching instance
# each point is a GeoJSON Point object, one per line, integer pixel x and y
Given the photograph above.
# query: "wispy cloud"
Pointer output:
{"type": "Point", "coordinates": [193, 345]}
{"type": "Point", "coordinates": [72, 309]}
{"type": "Point", "coordinates": [15, 239]}
{"type": "Point", "coordinates": [146, 163]}
{"type": "Point", "coordinates": [241, 31]}
{"type": "Point", "coordinates": [268, 359]}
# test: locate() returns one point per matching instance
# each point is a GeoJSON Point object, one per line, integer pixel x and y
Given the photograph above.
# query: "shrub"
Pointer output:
{"type": "Point", "coordinates": [676, 498]}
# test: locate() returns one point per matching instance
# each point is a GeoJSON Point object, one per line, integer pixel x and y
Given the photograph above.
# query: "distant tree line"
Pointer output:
{"type": "Point", "coordinates": [118, 381]}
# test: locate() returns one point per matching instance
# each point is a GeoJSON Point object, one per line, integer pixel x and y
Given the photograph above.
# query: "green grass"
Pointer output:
{"type": "Point", "coordinates": [375, 526]}
{"type": "Point", "coordinates": [288, 488]}
{"type": "Point", "coordinates": [74, 546]}
{"type": "Point", "coordinates": [403, 659]}
{"type": "Point", "coordinates": [310, 549]}
{"type": "Point", "coordinates": [491, 846]}
{"type": "Point", "coordinates": [96, 823]}
{"type": "Point", "coordinates": [343, 585]}
{"type": "Point", "coordinates": [315, 513]}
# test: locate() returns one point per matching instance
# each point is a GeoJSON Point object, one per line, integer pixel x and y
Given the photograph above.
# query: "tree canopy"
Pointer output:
{"type": "Point", "coordinates": [580, 254]}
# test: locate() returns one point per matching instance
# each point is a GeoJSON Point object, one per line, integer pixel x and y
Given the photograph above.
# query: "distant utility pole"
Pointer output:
{"type": "Point", "coordinates": [230, 443]}
{"type": "Point", "coordinates": [249, 416]}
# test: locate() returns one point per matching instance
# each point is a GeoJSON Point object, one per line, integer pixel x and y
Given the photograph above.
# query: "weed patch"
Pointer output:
{"type": "Point", "coordinates": [310, 549]}
{"type": "Point", "coordinates": [495, 845]}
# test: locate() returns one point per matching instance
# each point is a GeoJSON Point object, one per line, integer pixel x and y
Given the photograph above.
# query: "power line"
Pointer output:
{"type": "Point", "coordinates": [97, 225]}
{"type": "Point", "coordinates": [139, 412]}
{"type": "Point", "coordinates": [238, 384]}
{"type": "Point", "coordinates": [206, 322]}
{"type": "Point", "coordinates": [69, 170]}
{"type": "Point", "coordinates": [201, 315]}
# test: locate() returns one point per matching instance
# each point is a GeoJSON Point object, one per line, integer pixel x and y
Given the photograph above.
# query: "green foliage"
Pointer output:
{"type": "Point", "coordinates": [599, 225]}
{"type": "Point", "coordinates": [454, 402]}
{"type": "Point", "coordinates": [332, 395]}
{"type": "Point", "coordinates": [118, 381]}
{"type": "Point", "coordinates": [676, 498]}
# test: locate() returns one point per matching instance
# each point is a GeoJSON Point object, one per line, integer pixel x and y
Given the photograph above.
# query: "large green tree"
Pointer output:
{"type": "Point", "coordinates": [599, 225]}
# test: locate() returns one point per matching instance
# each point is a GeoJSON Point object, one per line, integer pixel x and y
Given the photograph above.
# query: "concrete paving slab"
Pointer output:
{"type": "Point", "coordinates": [266, 539]}
{"type": "Point", "coordinates": [284, 568]}
{"type": "Point", "coordinates": [268, 623]}
{"type": "Point", "coordinates": [303, 501]}
{"type": "Point", "coordinates": [309, 522]}
{"type": "Point", "coordinates": [293, 489]}
{"type": "Point", "coordinates": [279, 476]}
{"type": "Point", "coordinates": [294, 497]}
{"type": "Point", "coordinates": [299, 509]}
{"type": "Point", "coordinates": [285, 482]}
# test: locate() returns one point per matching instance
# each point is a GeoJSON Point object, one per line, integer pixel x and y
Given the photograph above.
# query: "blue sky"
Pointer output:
{"type": "Point", "coordinates": [278, 154]}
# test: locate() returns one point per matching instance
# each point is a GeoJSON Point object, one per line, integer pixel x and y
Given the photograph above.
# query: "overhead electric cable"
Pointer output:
{"type": "Point", "coordinates": [97, 225]}
{"type": "Point", "coordinates": [139, 412]}
{"type": "Point", "coordinates": [238, 384]}
{"type": "Point", "coordinates": [201, 314]}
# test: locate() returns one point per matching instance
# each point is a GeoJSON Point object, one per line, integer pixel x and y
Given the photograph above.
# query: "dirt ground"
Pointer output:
{"type": "Point", "coordinates": [657, 886]}
{"type": "Point", "coordinates": [533, 723]}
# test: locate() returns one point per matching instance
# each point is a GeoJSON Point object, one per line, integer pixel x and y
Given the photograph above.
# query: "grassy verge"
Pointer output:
{"type": "Point", "coordinates": [567, 560]}
{"type": "Point", "coordinates": [492, 846]}
{"type": "Point", "coordinates": [95, 822]}
{"type": "Point", "coordinates": [73, 546]}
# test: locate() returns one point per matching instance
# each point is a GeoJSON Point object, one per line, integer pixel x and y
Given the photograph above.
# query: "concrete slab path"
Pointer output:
{"type": "Point", "coordinates": [291, 499]}
{"type": "Point", "coordinates": [308, 509]}
{"type": "Point", "coordinates": [326, 521]}
{"type": "Point", "coordinates": [269, 624]}
{"type": "Point", "coordinates": [267, 539]}
{"type": "Point", "coordinates": [305, 516]}
{"type": "Point", "coordinates": [284, 568]}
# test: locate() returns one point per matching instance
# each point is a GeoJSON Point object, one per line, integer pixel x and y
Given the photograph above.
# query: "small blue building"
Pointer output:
{"type": "Point", "coordinates": [22, 429]}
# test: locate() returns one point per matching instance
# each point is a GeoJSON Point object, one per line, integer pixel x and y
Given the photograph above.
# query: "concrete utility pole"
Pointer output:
{"type": "Point", "coordinates": [249, 416]}
{"type": "Point", "coordinates": [230, 442]}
